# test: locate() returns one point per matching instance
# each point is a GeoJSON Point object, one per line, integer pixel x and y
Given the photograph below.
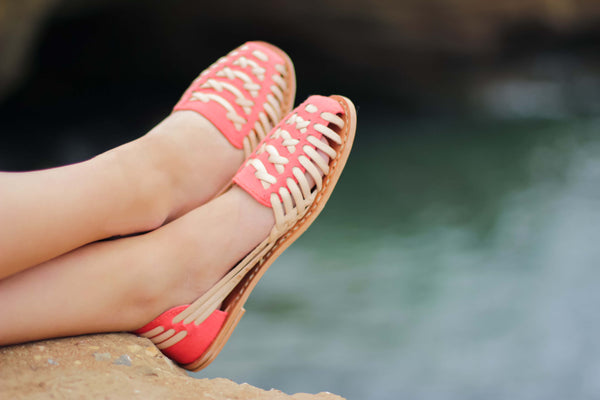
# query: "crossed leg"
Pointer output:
{"type": "Point", "coordinates": [122, 284]}
{"type": "Point", "coordinates": [56, 278]}
{"type": "Point", "coordinates": [133, 188]}
{"type": "Point", "coordinates": [52, 286]}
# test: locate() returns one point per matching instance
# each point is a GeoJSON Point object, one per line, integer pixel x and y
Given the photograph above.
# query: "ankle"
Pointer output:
{"type": "Point", "coordinates": [143, 183]}
{"type": "Point", "coordinates": [253, 218]}
{"type": "Point", "coordinates": [153, 283]}
{"type": "Point", "coordinates": [197, 157]}
{"type": "Point", "coordinates": [194, 260]}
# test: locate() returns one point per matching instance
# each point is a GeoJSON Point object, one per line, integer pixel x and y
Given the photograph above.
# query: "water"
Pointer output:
{"type": "Point", "coordinates": [454, 261]}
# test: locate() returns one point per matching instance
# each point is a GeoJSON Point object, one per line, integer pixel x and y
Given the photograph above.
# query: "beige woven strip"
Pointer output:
{"type": "Point", "coordinates": [174, 340]}
{"type": "Point", "coordinates": [203, 307]}
{"type": "Point", "coordinates": [151, 333]}
{"type": "Point", "coordinates": [272, 107]}
{"type": "Point", "coordinates": [166, 335]}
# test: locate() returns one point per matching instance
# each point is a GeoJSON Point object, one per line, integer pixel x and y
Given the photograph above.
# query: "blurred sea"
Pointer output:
{"type": "Point", "coordinates": [455, 260]}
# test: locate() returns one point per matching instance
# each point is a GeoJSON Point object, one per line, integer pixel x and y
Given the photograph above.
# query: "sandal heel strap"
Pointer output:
{"type": "Point", "coordinates": [183, 343]}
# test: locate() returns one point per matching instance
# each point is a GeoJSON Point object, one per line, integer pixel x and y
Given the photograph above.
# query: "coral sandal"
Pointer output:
{"type": "Point", "coordinates": [274, 175]}
{"type": "Point", "coordinates": [244, 94]}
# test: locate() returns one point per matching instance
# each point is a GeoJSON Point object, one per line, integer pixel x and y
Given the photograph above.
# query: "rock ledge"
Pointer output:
{"type": "Point", "coordinates": [113, 366]}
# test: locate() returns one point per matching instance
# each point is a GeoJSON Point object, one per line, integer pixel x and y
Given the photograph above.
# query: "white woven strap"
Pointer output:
{"type": "Point", "coordinates": [271, 111]}
{"type": "Point", "coordinates": [219, 86]}
{"type": "Point", "coordinates": [257, 70]}
{"type": "Point", "coordinates": [295, 197]}
{"type": "Point", "coordinates": [234, 117]}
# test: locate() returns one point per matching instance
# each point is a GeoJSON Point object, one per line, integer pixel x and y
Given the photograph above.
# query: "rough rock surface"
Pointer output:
{"type": "Point", "coordinates": [112, 366]}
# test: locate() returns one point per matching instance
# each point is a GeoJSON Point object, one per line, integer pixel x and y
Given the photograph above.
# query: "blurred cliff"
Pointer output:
{"type": "Point", "coordinates": [130, 60]}
{"type": "Point", "coordinates": [460, 259]}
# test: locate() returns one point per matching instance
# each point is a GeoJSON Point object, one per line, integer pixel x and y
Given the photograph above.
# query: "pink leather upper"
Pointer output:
{"type": "Point", "coordinates": [198, 338]}
{"type": "Point", "coordinates": [216, 112]}
{"type": "Point", "coordinates": [245, 176]}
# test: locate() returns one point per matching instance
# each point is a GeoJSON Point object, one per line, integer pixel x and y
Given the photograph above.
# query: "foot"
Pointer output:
{"type": "Point", "coordinates": [279, 191]}
{"type": "Point", "coordinates": [190, 156]}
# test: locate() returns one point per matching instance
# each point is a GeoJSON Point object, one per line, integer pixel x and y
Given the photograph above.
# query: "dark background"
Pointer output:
{"type": "Point", "coordinates": [78, 77]}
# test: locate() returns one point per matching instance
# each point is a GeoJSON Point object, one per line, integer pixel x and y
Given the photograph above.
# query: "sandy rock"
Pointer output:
{"type": "Point", "coordinates": [113, 366]}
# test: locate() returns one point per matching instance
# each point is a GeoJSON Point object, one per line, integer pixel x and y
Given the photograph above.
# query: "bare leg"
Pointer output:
{"type": "Point", "coordinates": [121, 285]}
{"type": "Point", "coordinates": [177, 166]}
